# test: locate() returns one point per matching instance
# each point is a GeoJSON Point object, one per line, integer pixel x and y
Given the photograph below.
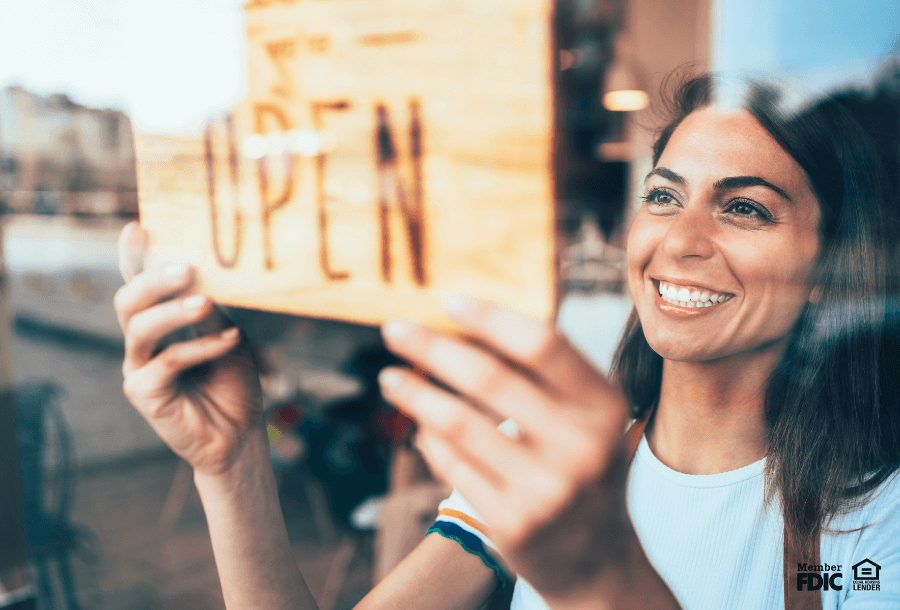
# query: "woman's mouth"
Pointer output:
{"type": "Point", "coordinates": [690, 296]}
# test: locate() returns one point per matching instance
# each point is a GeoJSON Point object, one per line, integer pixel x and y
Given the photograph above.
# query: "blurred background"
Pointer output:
{"type": "Point", "coordinates": [94, 511]}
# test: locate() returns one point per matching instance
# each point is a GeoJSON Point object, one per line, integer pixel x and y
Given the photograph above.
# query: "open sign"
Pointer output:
{"type": "Point", "coordinates": [389, 152]}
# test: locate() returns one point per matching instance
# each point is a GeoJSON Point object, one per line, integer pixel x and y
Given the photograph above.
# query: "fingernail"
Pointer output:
{"type": "Point", "coordinates": [389, 379]}
{"type": "Point", "coordinates": [175, 272]}
{"type": "Point", "coordinates": [230, 333]}
{"type": "Point", "coordinates": [194, 302]}
{"type": "Point", "coordinates": [132, 229]}
{"type": "Point", "coordinates": [459, 306]}
{"type": "Point", "coordinates": [397, 329]}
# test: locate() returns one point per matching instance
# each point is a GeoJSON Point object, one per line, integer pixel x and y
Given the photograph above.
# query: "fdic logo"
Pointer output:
{"type": "Point", "coordinates": [813, 577]}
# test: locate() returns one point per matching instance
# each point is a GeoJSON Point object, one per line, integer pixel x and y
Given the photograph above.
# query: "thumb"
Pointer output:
{"type": "Point", "coordinates": [132, 247]}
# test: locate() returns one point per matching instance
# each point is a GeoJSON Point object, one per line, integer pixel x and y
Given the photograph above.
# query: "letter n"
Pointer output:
{"type": "Point", "coordinates": [391, 186]}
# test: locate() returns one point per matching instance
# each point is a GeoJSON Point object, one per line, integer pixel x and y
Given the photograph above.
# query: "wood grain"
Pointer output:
{"type": "Point", "coordinates": [409, 155]}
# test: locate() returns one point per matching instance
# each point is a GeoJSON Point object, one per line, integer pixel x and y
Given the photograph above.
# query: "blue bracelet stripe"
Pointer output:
{"type": "Point", "coordinates": [472, 544]}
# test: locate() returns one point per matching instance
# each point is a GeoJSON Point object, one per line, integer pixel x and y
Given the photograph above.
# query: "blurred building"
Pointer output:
{"type": "Point", "coordinates": [59, 157]}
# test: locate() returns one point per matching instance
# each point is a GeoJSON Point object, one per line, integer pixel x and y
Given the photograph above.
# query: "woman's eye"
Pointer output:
{"type": "Point", "coordinates": [743, 209]}
{"type": "Point", "coordinates": [659, 197]}
{"type": "Point", "coordinates": [747, 209]}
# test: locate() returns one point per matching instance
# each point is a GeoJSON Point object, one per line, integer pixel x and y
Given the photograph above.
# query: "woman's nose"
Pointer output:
{"type": "Point", "coordinates": [690, 234]}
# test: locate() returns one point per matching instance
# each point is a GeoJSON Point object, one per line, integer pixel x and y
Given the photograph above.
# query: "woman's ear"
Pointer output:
{"type": "Point", "coordinates": [816, 295]}
{"type": "Point", "coordinates": [816, 278]}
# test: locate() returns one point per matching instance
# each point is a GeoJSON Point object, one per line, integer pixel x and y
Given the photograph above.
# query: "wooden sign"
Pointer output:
{"type": "Point", "coordinates": [390, 152]}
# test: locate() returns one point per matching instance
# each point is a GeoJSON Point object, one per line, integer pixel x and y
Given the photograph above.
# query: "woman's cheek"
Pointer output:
{"type": "Point", "coordinates": [783, 263]}
{"type": "Point", "coordinates": [643, 238]}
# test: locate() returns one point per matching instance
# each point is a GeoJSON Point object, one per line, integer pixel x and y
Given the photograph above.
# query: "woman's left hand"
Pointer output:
{"type": "Point", "coordinates": [554, 495]}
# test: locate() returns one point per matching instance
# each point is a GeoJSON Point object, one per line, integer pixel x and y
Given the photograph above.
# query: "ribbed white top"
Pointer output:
{"type": "Point", "coordinates": [709, 536]}
{"type": "Point", "coordinates": [718, 547]}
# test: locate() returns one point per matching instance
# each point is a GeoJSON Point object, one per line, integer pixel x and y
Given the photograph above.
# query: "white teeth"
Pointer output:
{"type": "Point", "coordinates": [686, 297]}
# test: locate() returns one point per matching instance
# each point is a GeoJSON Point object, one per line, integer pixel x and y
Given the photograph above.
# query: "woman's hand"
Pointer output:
{"type": "Point", "coordinates": [202, 395]}
{"type": "Point", "coordinates": [553, 496]}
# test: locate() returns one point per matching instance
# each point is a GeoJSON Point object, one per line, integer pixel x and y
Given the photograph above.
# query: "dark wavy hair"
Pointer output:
{"type": "Point", "coordinates": [832, 403]}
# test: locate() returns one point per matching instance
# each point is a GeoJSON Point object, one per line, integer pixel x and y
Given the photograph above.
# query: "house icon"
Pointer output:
{"type": "Point", "coordinates": [866, 570]}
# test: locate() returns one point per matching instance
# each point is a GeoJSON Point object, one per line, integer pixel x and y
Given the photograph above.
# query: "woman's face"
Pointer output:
{"type": "Point", "coordinates": [728, 230]}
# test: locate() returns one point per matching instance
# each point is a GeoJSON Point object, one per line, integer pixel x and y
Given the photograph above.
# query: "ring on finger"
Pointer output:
{"type": "Point", "coordinates": [511, 429]}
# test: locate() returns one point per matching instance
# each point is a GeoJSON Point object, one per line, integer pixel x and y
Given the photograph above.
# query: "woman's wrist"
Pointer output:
{"type": "Point", "coordinates": [248, 467]}
{"type": "Point", "coordinates": [627, 581]}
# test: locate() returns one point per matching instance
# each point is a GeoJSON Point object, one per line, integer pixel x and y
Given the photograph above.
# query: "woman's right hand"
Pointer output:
{"type": "Point", "coordinates": [202, 395]}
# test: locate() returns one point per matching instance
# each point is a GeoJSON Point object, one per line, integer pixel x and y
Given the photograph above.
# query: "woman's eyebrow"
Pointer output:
{"type": "Point", "coordinates": [666, 173]}
{"type": "Point", "coordinates": [732, 182]}
{"type": "Point", "coordinates": [736, 182]}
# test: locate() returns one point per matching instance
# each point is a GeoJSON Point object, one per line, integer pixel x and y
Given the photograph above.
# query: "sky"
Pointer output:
{"type": "Point", "coordinates": [171, 64]}
{"type": "Point", "coordinates": [813, 45]}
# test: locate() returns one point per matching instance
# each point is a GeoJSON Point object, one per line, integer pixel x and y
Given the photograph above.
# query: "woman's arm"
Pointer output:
{"type": "Point", "coordinates": [257, 567]}
{"type": "Point", "coordinates": [256, 564]}
{"type": "Point", "coordinates": [211, 416]}
{"type": "Point", "coordinates": [437, 575]}
{"type": "Point", "coordinates": [258, 570]}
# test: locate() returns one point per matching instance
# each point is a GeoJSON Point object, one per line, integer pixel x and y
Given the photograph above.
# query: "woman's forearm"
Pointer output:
{"type": "Point", "coordinates": [256, 564]}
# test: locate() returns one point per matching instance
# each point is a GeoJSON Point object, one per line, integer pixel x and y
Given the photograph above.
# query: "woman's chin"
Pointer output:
{"type": "Point", "coordinates": [680, 350]}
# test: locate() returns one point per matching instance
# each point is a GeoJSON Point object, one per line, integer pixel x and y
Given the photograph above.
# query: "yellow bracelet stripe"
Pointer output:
{"type": "Point", "coordinates": [473, 523]}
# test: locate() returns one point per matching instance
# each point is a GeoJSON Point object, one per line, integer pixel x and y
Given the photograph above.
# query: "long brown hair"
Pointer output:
{"type": "Point", "coordinates": [832, 403]}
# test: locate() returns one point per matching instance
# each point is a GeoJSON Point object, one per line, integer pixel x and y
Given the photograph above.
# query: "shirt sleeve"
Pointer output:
{"type": "Point", "coordinates": [458, 521]}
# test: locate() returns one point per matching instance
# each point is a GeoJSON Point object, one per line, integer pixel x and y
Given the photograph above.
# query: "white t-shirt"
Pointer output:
{"type": "Point", "coordinates": [717, 545]}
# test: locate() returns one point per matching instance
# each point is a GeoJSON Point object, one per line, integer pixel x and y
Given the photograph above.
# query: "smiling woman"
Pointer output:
{"type": "Point", "coordinates": [756, 362]}
{"type": "Point", "coordinates": [788, 216]}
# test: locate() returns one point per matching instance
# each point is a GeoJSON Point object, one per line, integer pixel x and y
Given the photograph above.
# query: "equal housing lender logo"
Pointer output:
{"type": "Point", "coordinates": [866, 576]}
{"type": "Point", "coordinates": [813, 577]}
